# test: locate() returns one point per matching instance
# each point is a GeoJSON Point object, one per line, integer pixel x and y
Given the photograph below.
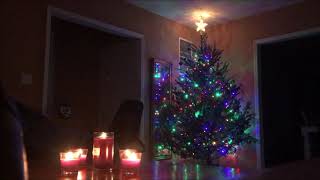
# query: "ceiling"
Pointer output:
{"type": "Point", "coordinates": [220, 11]}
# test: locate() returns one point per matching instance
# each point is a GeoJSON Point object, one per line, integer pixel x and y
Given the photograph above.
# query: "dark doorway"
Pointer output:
{"type": "Point", "coordinates": [90, 70]}
{"type": "Point", "coordinates": [289, 87]}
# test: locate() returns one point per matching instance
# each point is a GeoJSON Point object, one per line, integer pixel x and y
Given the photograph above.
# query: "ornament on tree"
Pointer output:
{"type": "Point", "coordinates": [206, 119]}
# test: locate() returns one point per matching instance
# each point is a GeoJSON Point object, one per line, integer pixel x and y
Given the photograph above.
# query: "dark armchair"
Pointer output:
{"type": "Point", "coordinates": [126, 126]}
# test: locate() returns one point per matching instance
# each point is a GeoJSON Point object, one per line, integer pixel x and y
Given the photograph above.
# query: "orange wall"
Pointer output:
{"type": "Point", "coordinates": [237, 38]}
{"type": "Point", "coordinates": [23, 32]}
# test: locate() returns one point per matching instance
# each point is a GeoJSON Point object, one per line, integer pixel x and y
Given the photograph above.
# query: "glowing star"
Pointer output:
{"type": "Point", "coordinates": [201, 25]}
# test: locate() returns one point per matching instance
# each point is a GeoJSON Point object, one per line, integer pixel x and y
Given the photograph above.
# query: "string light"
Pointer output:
{"type": "Point", "coordinates": [202, 117]}
{"type": "Point", "coordinates": [214, 143]}
{"type": "Point", "coordinates": [218, 94]}
{"type": "Point", "coordinates": [197, 114]}
{"type": "Point", "coordinates": [160, 93]}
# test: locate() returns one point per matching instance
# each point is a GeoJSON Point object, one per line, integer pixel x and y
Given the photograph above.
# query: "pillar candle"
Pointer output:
{"type": "Point", "coordinates": [103, 149]}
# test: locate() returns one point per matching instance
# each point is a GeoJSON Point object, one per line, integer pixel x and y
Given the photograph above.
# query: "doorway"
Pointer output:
{"type": "Point", "coordinates": [90, 68]}
{"type": "Point", "coordinates": [289, 93]}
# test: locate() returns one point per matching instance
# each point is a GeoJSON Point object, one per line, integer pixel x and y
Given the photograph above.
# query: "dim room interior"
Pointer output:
{"type": "Point", "coordinates": [179, 89]}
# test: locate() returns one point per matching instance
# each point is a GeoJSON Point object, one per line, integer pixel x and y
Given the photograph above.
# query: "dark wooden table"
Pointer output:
{"type": "Point", "coordinates": [166, 170]}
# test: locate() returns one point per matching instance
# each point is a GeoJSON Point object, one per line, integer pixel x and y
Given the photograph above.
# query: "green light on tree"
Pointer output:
{"type": "Point", "coordinates": [197, 114]}
{"type": "Point", "coordinates": [157, 75]}
{"type": "Point", "coordinates": [218, 94]}
{"type": "Point", "coordinates": [160, 147]}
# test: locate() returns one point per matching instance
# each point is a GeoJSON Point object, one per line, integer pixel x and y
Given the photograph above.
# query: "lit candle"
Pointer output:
{"type": "Point", "coordinates": [83, 156]}
{"type": "Point", "coordinates": [103, 145]}
{"type": "Point", "coordinates": [130, 158]}
{"type": "Point", "coordinates": [69, 162]}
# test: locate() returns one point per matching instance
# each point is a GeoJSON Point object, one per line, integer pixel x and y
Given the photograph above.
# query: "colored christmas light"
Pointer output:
{"type": "Point", "coordinates": [160, 94]}
{"type": "Point", "coordinates": [206, 119]}
{"type": "Point", "coordinates": [218, 94]}
{"type": "Point", "coordinates": [157, 75]}
{"type": "Point", "coordinates": [197, 114]}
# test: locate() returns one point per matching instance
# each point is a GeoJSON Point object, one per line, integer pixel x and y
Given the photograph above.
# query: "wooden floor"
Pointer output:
{"type": "Point", "coordinates": [163, 170]}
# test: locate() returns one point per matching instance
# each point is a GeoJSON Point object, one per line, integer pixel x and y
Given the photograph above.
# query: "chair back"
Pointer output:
{"type": "Point", "coordinates": [12, 152]}
{"type": "Point", "coordinates": [126, 122]}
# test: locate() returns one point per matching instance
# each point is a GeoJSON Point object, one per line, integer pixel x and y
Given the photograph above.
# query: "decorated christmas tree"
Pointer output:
{"type": "Point", "coordinates": [206, 118]}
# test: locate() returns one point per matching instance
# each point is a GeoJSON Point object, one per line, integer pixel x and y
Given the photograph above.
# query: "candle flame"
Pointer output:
{"type": "Point", "coordinates": [71, 156]}
{"type": "Point", "coordinates": [80, 151]}
{"type": "Point", "coordinates": [103, 135]}
{"type": "Point", "coordinates": [131, 155]}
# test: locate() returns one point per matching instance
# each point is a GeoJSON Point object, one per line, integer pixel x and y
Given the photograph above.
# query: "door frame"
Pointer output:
{"type": "Point", "coordinates": [108, 28]}
{"type": "Point", "coordinates": [257, 85]}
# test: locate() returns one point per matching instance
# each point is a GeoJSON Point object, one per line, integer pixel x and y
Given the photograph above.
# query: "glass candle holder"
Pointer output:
{"type": "Point", "coordinates": [69, 162]}
{"type": "Point", "coordinates": [83, 156]}
{"type": "Point", "coordinates": [103, 150]}
{"type": "Point", "coordinates": [130, 160]}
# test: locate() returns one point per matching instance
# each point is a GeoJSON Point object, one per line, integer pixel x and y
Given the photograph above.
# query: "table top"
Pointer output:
{"type": "Point", "coordinates": [165, 169]}
{"type": "Point", "coordinates": [168, 169]}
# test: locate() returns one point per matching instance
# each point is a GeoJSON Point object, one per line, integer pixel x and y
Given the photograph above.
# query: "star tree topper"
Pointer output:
{"type": "Point", "coordinates": [201, 25]}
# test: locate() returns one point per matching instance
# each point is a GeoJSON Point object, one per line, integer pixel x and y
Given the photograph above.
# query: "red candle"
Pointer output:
{"type": "Point", "coordinates": [130, 163]}
{"type": "Point", "coordinates": [69, 162]}
{"type": "Point", "coordinates": [103, 145]}
{"type": "Point", "coordinates": [130, 158]}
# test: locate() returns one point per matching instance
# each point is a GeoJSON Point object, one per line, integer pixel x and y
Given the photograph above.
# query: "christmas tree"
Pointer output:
{"type": "Point", "coordinates": [206, 119]}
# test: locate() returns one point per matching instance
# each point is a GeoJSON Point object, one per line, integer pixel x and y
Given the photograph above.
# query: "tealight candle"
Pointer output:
{"type": "Point", "coordinates": [130, 158]}
{"type": "Point", "coordinates": [69, 162]}
{"type": "Point", "coordinates": [103, 149]}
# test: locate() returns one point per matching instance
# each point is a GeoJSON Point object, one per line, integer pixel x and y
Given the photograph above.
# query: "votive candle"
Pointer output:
{"type": "Point", "coordinates": [69, 162]}
{"type": "Point", "coordinates": [130, 158]}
